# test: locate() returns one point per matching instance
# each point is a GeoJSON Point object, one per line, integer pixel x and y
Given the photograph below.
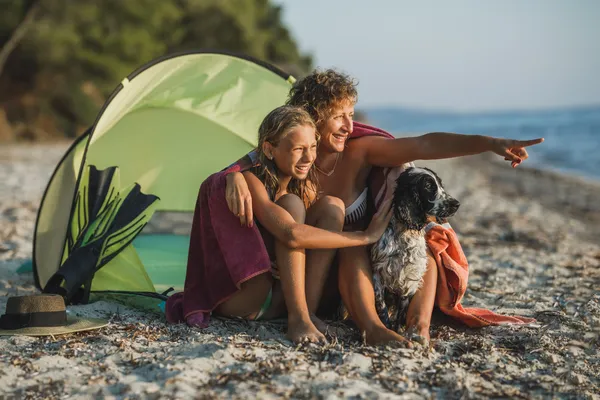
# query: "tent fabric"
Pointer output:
{"type": "Point", "coordinates": [167, 126]}
{"type": "Point", "coordinates": [54, 213]}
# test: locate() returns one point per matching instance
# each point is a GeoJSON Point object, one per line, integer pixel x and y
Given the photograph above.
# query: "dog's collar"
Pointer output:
{"type": "Point", "coordinates": [432, 224]}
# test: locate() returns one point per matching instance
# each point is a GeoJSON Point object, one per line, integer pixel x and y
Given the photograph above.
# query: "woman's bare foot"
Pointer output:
{"type": "Point", "coordinates": [382, 335]}
{"type": "Point", "coordinates": [318, 322]}
{"type": "Point", "coordinates": [418, 333]}
{"type": "Point", "coordinates": [300, 330]}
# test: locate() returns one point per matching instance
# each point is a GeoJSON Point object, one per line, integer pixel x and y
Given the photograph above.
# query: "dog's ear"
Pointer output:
{"type": "Point", "coordinates": [408, 207]}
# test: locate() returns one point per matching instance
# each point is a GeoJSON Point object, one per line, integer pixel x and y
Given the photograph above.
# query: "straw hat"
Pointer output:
{"type": "Point", "coordinates": [42, 315]}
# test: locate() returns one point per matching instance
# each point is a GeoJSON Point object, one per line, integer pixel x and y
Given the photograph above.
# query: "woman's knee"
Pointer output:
{"type": "Point", "coordinates": [431, 261]}
{"type": "Point", "coordinates": [294, 205]}
{"type": "Point", "coordinates": [430, 257]}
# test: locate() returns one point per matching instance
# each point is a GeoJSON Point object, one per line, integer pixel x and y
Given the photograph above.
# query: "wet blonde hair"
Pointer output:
{"type": "Point", "coordinates": [321, 91]}
{"type": "Point", "coordinates": [276, 125]}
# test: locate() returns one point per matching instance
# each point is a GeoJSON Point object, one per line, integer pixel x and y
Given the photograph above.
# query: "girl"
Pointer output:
{"type": "Point", "coordinates": [284, 188]}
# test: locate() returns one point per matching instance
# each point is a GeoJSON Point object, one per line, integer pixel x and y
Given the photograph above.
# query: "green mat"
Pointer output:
{"type": "Point", "coordinates": [165, 258]}
{"type": "Point", "coordinates": [25, 268]}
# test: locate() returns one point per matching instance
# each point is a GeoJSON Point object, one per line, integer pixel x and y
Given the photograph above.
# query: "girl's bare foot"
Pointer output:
{"type": "Point", "coordinates": [301, 330]}
{"type": "Point", "coordinates": [318, 322]}
{"type": "Point", "coordinates": [382, 335]}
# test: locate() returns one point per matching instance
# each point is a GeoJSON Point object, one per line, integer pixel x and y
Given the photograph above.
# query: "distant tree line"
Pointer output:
{"type": "Point", "coordinates": [60, 59]}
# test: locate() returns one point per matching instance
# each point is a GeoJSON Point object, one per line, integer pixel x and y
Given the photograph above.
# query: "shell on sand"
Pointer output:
{"type": "Point", "coordinates": [533, 242]}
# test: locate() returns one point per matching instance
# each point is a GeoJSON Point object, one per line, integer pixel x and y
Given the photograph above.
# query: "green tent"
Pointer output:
{"type": "Point", "coordinates": [166, 127]}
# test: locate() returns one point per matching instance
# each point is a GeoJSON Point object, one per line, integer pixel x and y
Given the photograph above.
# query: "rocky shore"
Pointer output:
{"type": "Point", "coordinates": [532, 239]}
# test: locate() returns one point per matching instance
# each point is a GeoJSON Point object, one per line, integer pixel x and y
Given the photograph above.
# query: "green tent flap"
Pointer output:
{"type": "Point", "coordinates": [166, 127]}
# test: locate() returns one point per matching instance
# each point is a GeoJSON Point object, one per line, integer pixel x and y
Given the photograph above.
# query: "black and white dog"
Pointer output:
{"type": "Point", "coordinates": [399, 258]}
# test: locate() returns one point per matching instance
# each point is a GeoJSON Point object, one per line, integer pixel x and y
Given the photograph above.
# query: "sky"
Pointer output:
{"type": "Point", "coordinates": [461, 55]}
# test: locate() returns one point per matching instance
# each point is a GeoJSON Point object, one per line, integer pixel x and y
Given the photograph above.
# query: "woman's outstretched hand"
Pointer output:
{"type": "Point", "coordinates": [513, 150]}
{"type": "Point", "coordinates": [239, 199]}
{"type": "Point", "coordinates": [380, 221]}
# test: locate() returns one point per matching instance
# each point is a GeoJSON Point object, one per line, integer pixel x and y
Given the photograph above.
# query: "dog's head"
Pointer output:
{"type": "Point", "coordinates": [419, 194]}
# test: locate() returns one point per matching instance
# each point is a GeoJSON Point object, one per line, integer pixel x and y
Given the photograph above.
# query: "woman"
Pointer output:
{"type": "Point", "coordinates": [344, 166]}
{"type": "Point", "coordinates": [284, 197]}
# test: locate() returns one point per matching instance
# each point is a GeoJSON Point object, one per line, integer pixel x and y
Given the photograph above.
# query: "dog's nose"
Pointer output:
{"type": "Point", "coordinates": [453, 203]}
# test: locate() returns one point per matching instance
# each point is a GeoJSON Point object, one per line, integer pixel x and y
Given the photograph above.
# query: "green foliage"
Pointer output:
{"type": "Point", "coordinates": [75, 43]}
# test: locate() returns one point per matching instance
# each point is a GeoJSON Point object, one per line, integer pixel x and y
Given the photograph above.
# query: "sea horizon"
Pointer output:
{"type": "Point", "coordinates": [572, 134]}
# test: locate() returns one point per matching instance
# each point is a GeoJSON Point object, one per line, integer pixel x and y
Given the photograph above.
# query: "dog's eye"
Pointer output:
{"type": "Point", "coordinates": [429, 189]}
{"type": "Point", "coordinates": [429, 185]}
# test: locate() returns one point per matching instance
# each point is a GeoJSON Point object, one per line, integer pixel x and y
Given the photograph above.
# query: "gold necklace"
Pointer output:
{"type": "Point", "coordinates": [332, 169]}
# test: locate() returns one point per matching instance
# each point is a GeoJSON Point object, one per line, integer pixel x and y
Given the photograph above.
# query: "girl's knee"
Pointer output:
{"type": "Point", "coordinates": [294, 205]}
{"type": "Point", "coordinates": [334, 211]}
{"type": "Point", "coordinates": [334, 202]}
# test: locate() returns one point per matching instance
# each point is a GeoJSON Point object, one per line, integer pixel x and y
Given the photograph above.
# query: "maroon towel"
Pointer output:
{"type": "Point", "coordinates": [222, 255]}
{"type": "Point", "coordinates": [361, 130]}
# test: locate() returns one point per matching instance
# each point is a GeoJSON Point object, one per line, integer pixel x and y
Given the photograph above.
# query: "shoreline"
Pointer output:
{"type": "Point", "coordinates": [565, 173]}
{"type": "Point", "coordinates": [533, 244]}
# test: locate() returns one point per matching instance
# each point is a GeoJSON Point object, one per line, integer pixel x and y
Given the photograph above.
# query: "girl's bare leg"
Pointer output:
{"type": "Point", "coordinates": [356, 288]}
{"type": "Point", "coordinates": [327, 213]}
{"type": "Point", "coordinates": [291, 264]}
{"type": "Point", "coordinates": [418, 318]}
{"type": "Point", "coordinates": [247, 301]}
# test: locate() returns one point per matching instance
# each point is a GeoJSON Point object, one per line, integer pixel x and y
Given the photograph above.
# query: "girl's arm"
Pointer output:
{"type": "Point", "coordinates": [432, 146]}
{"type": "Point", "coordinates": [281, 224]}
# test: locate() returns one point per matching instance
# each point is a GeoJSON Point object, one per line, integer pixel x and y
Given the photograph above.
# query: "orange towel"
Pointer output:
{"type": "Point", "coordinates": [453, 274]}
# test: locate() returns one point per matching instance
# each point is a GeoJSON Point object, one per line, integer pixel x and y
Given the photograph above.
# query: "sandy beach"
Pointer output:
{"type": "Point", "coordinates": [532, 239]}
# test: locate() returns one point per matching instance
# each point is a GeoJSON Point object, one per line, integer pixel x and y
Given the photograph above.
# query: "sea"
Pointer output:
{"type": "Point", "coordinates": [572, 135]}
